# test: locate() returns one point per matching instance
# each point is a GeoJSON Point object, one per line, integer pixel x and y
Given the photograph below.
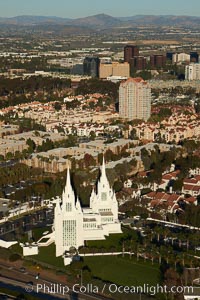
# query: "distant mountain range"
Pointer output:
{"type": "Point", "coordinates": [104, 21]}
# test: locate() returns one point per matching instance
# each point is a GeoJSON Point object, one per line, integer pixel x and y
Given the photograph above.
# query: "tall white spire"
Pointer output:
{"type": "Point", "coordinates": [103, 168]}
{"type": "Point", "coordinates": [58, 207]}
{"type": "Point", "coordinates": [78, 205]}
{"type": "Point", "coordinates": [103, 183]}
{"type": "Point", "coordinates": [68, 186]}
{"type": "Point", "coordinates": [103, 177]}
{"type": "Point", "coordinates": [68, 195]}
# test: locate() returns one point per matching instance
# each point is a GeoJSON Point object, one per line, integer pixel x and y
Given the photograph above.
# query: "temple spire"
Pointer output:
{"type": "Point", "coordinates": [68, 193]}
{"type": "Point", "coordinates": [103, 180]}
{"type": "Point", "coordinates": [78, 205]}
{"type": "Point", "coordinates": [68, 186]}
{"type": "Point", "coordinates": [103, 168]}
{"type": "Point", "coordinates": [68, 181]}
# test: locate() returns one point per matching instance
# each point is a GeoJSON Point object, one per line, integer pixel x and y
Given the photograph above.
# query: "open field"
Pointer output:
{"type": "Point", "coordinates": [155, 42]}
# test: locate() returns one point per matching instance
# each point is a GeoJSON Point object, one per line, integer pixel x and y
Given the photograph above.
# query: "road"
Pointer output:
{"type": "Point", "coordinates": [8, 163]}
{"type": "Point", "coordinates": [15, 279]}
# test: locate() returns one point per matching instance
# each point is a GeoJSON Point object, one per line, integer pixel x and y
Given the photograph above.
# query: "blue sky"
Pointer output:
{"type": "Point", "coordinates": [81, 8]}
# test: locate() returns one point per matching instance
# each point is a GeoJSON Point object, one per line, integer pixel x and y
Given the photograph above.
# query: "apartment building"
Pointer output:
{"type": "Point", "coordinates": [135, 99]}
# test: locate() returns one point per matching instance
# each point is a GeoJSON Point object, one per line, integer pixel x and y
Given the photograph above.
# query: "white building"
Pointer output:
{"type": "Point", "coordinates": [180, 57]}
{"type": "Point", "coordinates": [74, 225]}
{"type": "Point", "coordinates": [116, 79]}
{"type": "Point", "coordinates": [192, 72]}
{"type": "Point", "coordinates": [135, 99]}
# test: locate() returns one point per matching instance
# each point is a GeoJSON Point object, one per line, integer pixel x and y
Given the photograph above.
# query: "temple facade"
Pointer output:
{"type": "Point", "coordinates": [73, 225]}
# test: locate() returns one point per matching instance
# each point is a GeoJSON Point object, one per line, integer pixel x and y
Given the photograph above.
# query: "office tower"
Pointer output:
{"type": "Point", "coordinates": [91, 66]}
{"type": "Point", "coordinates": [192, 72]}
{"type": "Point", "coordinates": [157, 61]}
{"type": "Point", "coordinates": [77, 69]}
{"type": "Point", "coordinates": [194, 57]}
{"type": "Point", "coordinates": [130, 51]}
{"type": "Point", "coordinates": [135, 99]}
{"type": "Point", "coordinates": [169, 56]}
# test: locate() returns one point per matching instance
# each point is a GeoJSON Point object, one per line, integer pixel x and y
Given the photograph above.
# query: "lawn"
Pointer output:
{"type": "Point", "coordinates": [110, 241]}
{"type": "Point", "coordinates": [47, 255]}
{"type": "Point", "coordinates": [113, 241]}
{"type": "Point", "coordinates": [38, 232]}
{"type": "Point", "coordinates": [123, 271]}
{"type": "Point", "coordinates": [116, 269]}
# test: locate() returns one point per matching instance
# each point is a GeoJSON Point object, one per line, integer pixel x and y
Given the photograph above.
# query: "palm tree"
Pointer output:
{"type": "Point", "coordinates": [166, 232]}
{"type": "Point", "coordinates": [158, 230]}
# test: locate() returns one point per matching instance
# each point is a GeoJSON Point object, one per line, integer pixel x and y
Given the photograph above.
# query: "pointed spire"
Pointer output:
{"type": "Point", "coordinates": [58, 207]}
{"type": "Point", "coordinates": [103, 168]}
{"type": "Point", "coordinates": [68, 187]}
{"type": "Point", "coordinates": [103, 182]}
{"type": "Point", "coordinates": [92, 197]}
{"type": "Point", "coordinates": [78, 205]}
{"type": "Point", "coordinates": [93, 192]}
{"type": "Point", "coordinates": [68, 181]}
{"type": "Point", "coordinates": [68, 193]}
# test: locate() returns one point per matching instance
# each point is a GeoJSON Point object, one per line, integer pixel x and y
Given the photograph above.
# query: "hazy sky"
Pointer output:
{"type": "Point", "coordinates": [81, 8]}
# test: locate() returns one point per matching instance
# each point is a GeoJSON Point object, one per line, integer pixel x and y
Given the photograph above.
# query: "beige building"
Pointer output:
{"type": "Point", "coordinates": [8, 130]}
{"type": "Point", "coordinates": [37, 136]}
{"type": "Point", "coordinates": [100, 147]}
{"type": "Point", "coordinates": [48, 164]}
{"type": "Point", "coordinates": [114, 69]}
{"type": "Point", "coordinates": [11, 146]}
{"type": "Point", "coordinates": [135, 99]}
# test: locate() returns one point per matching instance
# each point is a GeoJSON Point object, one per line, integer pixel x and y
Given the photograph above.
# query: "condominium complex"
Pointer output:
{"type": "Point", "coordinates": [192, 72]}
{"type": "Point", "coordinates": [135, 99]}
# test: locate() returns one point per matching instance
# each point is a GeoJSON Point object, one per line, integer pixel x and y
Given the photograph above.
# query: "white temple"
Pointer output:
{"type": "Point", "coordinates": [74, 225]}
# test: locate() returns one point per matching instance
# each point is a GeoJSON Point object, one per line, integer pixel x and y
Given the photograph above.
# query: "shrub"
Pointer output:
{"type": "Point", "coordinates": [14, 257]}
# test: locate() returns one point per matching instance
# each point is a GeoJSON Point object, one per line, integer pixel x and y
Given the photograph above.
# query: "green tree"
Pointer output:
{"type": "Point", "coordinates": [31, 144]}
{"type": "Point", "coordinates": [118, 186]}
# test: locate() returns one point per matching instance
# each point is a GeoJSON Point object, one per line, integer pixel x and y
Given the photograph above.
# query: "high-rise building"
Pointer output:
{"type": "Point", "coordinates": [91, 66]}
{"type": "Point", "coordinates": [130, 51]}
{"type": "Point", "coordinates": [180, 58]}
{"type": "Point", "coordinates": [73, 225]}
{"type": "Point", "coordinates": [169, 56]}
{"type": "Point", "coordinates": [105, 70]}
{"type": "Point", "coordinates": [192, 72]}
{"type": "Point", "coordinates": [135, 99]}
{"type": "Point", "coordinates": [138, 63]}
{"type": "Point", "coordinates": [194, 57]}
{"type": "Point", "coordinates": [114, 69]}
{"type": "Point", "coordinates": [157, 61]}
